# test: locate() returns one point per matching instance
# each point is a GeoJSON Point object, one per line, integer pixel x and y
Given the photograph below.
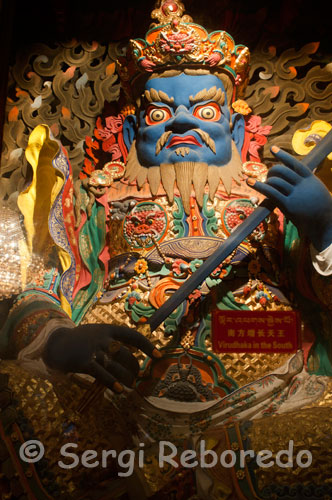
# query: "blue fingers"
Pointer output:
{"type": "Point", "coordinates": [133, 338]}
{"type": "Point", "coordinates": [121, 373]}
{"type": "Point", "coordinates": [280, 185]}
{"type": "Point", "coordinates": [283, 180]}
{"type": "Point", "coordinates": [285, 173]}
{"type": "Point", "coordinates": [122, 365]}
{"type": "Point", "coordinates": [270, 192]}
{"type": "Point", "coordinates": [104, 334]}
{"type": "Point", "coordinates": [125, 358]}
{"type": "Point", "coordinates": [103, 376]}
{"type": "Point", "coordinates": [291, 162]}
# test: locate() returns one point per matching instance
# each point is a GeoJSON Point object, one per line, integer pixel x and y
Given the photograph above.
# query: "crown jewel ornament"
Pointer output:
{"type": "Point", "coordinates": [177, 42]}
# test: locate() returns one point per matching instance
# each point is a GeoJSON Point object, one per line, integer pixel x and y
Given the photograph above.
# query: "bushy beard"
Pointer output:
{"type": "Point", "coordinates": [187, 175]}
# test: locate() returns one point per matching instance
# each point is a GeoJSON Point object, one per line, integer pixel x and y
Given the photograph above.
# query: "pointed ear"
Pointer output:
{"type": "Point", "coordinates": [238, 130]}
{"type": "Point", "coordinates": [129, 130]}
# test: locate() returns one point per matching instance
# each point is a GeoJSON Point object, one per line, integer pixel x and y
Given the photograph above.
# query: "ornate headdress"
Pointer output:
{"type": "Point", "coordinates": [177, 42]}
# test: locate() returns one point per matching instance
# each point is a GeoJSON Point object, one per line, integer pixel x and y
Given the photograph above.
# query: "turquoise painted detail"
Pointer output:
{"type": "Point", "coordinates": [228, 302]}
{"type": "Point", "coordinates": [172, 322]}
{"type": "Point", "coordinates": [181, 227]}
{"type": "Point", "coordinates": [204, 332]}
{"type": "Point", "coordinates": [136, 309]}
{"type": "Point", "coordinates": [210, 221]}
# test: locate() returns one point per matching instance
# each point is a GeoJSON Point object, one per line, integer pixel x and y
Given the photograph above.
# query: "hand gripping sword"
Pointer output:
{"type": "Point", "coordinates": [312, 160]}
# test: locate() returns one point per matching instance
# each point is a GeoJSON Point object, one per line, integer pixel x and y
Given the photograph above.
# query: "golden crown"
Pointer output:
{"type": "Point", "coordinates": [178, 42]}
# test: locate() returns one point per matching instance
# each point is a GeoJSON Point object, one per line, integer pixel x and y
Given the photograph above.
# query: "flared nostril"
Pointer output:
{"type": "Point", "coordinates": [182, 120]}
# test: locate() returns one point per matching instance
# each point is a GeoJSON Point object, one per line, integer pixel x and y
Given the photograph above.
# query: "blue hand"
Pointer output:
{"type": "Point", "coordinates": [87, 349]}
{"type": "Point", "coordinates": [301, 196]}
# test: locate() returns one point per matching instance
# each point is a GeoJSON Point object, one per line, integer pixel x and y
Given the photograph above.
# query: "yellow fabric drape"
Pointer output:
{"type": "Point", "coordinates": [36, 201]}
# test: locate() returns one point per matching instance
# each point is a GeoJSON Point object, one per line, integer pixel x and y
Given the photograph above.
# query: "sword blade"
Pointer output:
{"type": "Point", "coordinates": [312, 160]}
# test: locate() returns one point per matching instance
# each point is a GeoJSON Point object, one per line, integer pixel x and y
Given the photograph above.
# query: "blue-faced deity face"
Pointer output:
{"type": "Point", "coordinates": [184, 118]}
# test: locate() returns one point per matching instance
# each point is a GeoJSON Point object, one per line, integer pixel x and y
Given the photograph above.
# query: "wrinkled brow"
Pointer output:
{"type": "Point", "coordinates": [213, 94]}
{"type": "Point", "coordinates": [154, 95]}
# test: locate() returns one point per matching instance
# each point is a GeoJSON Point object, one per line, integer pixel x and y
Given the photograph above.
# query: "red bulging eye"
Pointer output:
{"type": "Point", "coordinates": [208, 112]}
{"type": "Point", "coordinates": [156, 115]}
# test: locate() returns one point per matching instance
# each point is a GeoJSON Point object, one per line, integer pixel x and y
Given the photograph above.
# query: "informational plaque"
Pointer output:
{"type": "Point", "coordinates": [255, 331]}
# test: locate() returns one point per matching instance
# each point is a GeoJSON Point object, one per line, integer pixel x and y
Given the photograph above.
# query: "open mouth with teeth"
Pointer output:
{"type": "Point", "coordinates": [188, 139]}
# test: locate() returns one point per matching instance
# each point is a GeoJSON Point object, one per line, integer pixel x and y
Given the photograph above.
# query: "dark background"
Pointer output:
{"type": "Point", "coordinates": [108, 20]}
{"type": "Point", "coordinates": [283, 23]}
